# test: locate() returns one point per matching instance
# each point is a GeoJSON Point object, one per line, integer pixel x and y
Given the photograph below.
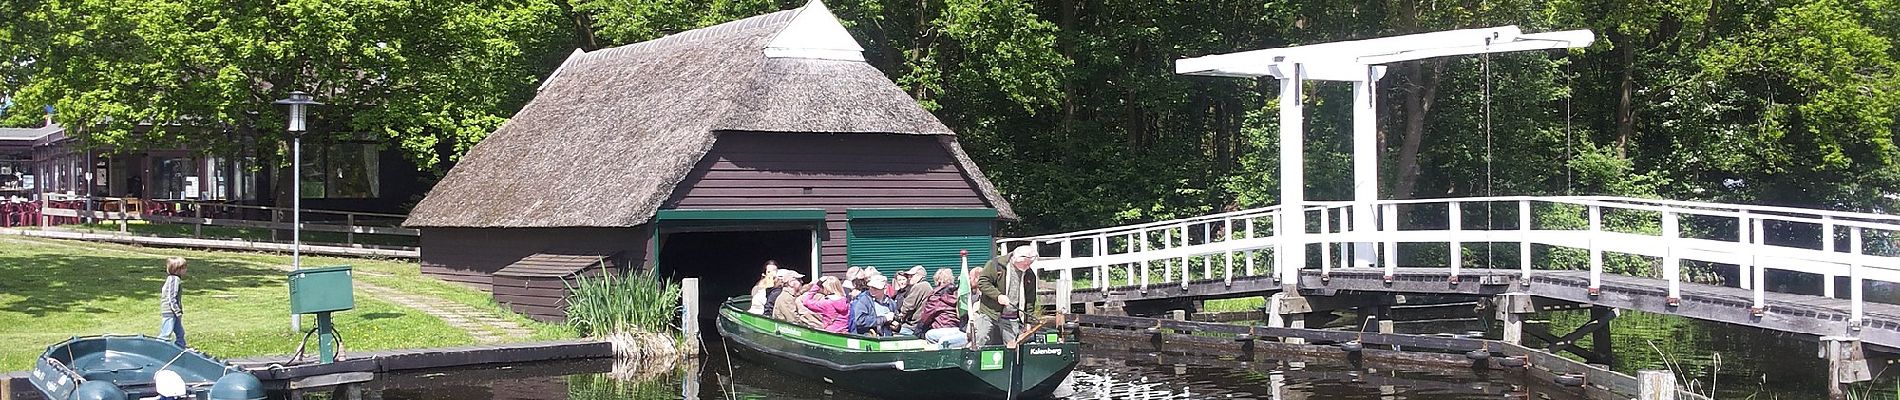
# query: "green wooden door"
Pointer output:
{"type": "Point", "coordinates": [897, 241]}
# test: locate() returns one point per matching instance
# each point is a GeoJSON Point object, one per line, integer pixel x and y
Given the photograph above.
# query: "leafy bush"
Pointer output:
{"type": "Point", "coordinates": [613, 303]}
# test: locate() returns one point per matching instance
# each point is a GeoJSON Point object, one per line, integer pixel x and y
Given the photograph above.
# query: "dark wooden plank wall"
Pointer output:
{"type": "Point", "coordinates": [470, 255]}
{"type": "Point", "coordinates": [829, 171]}
{"type": "Point", "coordinates": [541, 298]}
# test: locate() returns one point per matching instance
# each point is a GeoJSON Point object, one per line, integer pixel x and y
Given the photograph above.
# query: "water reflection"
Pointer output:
{"type": "Point", "coordinates": [1107, 372]}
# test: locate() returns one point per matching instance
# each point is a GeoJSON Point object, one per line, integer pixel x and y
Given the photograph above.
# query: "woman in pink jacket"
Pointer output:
{"type": "Point", "coordinates": [827, 300]}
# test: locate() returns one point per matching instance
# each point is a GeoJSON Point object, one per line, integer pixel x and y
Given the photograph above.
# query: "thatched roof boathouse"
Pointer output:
{"type": "Point", "coordinates": [706, 153]}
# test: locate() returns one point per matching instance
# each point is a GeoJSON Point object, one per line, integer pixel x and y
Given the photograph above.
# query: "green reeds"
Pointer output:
{"type": "Point", "coordinates": [639, 302]}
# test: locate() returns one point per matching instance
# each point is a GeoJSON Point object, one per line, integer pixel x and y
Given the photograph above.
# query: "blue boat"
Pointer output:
{"type": "Point", "coordinates": [128, 367]}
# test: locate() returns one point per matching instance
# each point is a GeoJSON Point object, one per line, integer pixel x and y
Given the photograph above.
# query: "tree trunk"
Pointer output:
{"type": "Point", "coordinates": [1625, 115]}
{"type": "Point", "coordinates": [1416, 105]}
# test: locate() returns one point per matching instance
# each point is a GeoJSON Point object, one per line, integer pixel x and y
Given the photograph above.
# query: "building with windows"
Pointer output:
{"type": "Point", "coordinates": [343, 175]}
{"type": "Point", "coordinates": [704, 154]}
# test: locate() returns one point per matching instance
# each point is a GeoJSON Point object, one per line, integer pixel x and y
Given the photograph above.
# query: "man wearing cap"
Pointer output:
{"type": "Point", "coordinates": [1006, 297]}
{"type": "Point", "coordinates": [911, 298]}
{"type": "Point", "coordinates": [787, 306]}
{"type": "Point", "coordinates": [866, 316]}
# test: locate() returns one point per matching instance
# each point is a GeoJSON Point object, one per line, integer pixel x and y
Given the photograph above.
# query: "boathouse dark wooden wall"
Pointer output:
{"type": "Point", "coordinates": [471, 256]}
{"type": "Point", "coordinates": [835, 172]}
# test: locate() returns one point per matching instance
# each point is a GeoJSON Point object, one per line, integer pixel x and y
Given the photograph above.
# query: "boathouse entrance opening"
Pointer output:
{"type": "Point", "coordinates": [728, 263]}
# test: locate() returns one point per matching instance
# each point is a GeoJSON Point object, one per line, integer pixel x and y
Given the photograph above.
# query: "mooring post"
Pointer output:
{"type": "Point", "coordinates": [689, 314]}
{"type": "Point", "coordinates": [1846, 364]}
{"type": "Point", "coordinates": [1512, 307]}
{"type": "Point", "coordinates": [1065, 290]}
{"type": "Point", "coordinates": [1386, 324]}
{"type": "Point", "coordinates": [1655, 385]}
{"type": "Point", "coordinates": [1288, 311]}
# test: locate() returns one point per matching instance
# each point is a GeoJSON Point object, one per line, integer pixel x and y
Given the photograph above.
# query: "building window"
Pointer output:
{"type": "Point", "coordinates": [173, 178]}
{"type": "Point", "coordinates": [346, 170]}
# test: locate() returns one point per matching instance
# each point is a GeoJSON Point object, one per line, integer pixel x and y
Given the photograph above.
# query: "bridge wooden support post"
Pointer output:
{"type": "Point", "coordinates": [1600, 341]}
{"type": "Point", "coordinates": [1512, 307]}
{"type": "Point", "coordinates": [1286, 310]}
{"type": "Point", "coordinates": [1846, 364]}
{"type": "Point", "coordinates": [1655, 385]}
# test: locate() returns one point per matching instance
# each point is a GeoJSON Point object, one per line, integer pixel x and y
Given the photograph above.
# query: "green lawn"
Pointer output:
{"type": "Point", "coordinates": [235, 303]}
{"type": "Point", "coordinates": [144, 228]}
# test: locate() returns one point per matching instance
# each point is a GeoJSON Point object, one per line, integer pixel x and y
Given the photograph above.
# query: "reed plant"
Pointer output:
{"type": "Point", "coordinates": [634, 303]}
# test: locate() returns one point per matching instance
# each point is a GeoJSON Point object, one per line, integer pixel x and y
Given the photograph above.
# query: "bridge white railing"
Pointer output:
{"type": "Point", "coordinates": [1752, 239]}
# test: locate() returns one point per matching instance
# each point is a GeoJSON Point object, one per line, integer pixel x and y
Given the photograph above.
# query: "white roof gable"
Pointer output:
{"type": "Point", "coordinates": [815, 33]}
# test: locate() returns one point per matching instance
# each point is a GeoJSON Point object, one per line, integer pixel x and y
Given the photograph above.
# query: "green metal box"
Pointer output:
{"type": "Point", "coordinates": [316, 290]}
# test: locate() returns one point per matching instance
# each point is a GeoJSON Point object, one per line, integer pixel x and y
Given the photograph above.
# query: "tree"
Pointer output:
{"type": "Point", "coordinates": [430, 76]}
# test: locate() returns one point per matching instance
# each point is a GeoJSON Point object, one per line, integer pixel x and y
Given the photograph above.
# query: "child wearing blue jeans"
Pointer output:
{"type": "Point", "coordinates": [171, 323]}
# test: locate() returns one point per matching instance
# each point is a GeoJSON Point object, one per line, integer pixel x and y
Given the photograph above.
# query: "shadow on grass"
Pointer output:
{"type": "Point", "coordinates": [66, 283]}
{"type": "Point", "coordinates": [379, 315]}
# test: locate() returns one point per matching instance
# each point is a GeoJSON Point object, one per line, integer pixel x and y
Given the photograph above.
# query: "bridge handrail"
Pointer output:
{"type": "Point", "coordinates": [1749, 249]}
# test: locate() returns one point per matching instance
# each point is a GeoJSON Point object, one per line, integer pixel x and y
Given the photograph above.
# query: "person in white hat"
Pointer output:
{"type": "Point", "coordinates": [871, 308]}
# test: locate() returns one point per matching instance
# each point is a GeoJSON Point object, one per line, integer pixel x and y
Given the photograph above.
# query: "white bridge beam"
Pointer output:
{"type": "Point", "coordinates": [1358, 62]}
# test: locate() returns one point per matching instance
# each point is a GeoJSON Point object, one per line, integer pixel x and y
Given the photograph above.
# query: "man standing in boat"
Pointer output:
{"type": "Point", "coordinates": [1006, 298]}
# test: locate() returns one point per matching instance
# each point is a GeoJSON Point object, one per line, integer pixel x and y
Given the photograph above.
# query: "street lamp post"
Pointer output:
{"type": "Point", "coordinates": [299, 103]}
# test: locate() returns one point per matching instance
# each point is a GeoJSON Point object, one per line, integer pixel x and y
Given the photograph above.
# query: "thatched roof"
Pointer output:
{"type": "Point", "coordinates": [613, 132]}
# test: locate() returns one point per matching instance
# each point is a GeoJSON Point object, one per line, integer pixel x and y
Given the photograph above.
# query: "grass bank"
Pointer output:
{"type": "Point", "coordinates": [235, 303]}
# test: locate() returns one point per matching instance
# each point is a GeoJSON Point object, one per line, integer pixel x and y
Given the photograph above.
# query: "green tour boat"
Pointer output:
{"type": "Point", "coordinates": [898, 367]}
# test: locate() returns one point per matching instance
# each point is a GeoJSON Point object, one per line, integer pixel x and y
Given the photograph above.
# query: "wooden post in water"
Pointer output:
{"type": "Point", "coordinates": [1512, 307]}
{"type": "Point", "coordinates": [1846, 363]}
{"type": "Point", "coordinates": [1655, 385]}
{"type": "Point", "coordinates": [689, 314]}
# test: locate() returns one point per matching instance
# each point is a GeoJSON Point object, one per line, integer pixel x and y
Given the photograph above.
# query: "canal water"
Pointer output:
{"type": "Point", "coordinates": [1724, 361]}
{"type": "Point", "coordinates": [1104, 374]}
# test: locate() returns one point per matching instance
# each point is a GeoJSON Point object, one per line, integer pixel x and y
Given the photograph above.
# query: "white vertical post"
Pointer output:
{"type": "Point", "coordinates": [1524, 240]}
{"type": "Point", "coordinates": [1167, 266]}
{"type": "Point", "coordinates": [817, 269]}
{"type": "Point", "coordinates": [689, 314]}
{"type": "Point", "coordinates": [1186, 240]}
{"type": "Point", "coordinates": [1325, 244]}
{"type": "Point", "coordinates": [1250, 253]}
{"type": "Point", "coordinates": [1227, 266]}
{"type": "Point", "coordinates": [1279, 245]}
{"type": "Point", "coordinates": [1365, 164]}
{"type": "Point", "coordinates": [1827, 245]}
{"type": "Point", "coordinates": [1101, 270]}
{"type": "Point", "coordinates": [1143, 248]}
{"type": "Point", "coordinates": [1853, 278]}
{"type": "Point", "coordinates": [1292, 255]}
{"type": "Point", "coordinates": [1391, 218]}
{"type": "Point", "coordinates": [1755, 258]}
{"type": "Point", "coordinates": [1672, 263]}
{"type": "Point", "coordinates": [1743, 277]}
{"type": "Point", "coordinates": [1067, 276]}
{"type": "Point", "coordinates": [1343, 224]}
{"type": "Point", "coordinates": [1596, 251]}
{"type": "Point", "coordinates": [1456, 253]}
{"type": "Point", "coordinates": [1207, 261]}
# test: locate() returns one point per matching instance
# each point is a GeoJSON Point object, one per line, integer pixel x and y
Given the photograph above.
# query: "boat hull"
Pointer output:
{"type": "Point", "coordinates": [124, 367]}
{"type": "Point", "coordinates": [907, 372]}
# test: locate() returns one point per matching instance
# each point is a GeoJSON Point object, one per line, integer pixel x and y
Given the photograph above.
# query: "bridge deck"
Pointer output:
{"type": "Point", "coordinates": [1785, 312]}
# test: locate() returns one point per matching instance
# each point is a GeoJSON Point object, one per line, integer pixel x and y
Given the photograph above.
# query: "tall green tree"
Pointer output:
{"type": "Point", "coordinates": [432, 76]}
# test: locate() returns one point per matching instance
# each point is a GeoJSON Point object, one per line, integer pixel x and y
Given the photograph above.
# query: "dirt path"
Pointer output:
{"type": "Point", "coordinates": [483, 325]}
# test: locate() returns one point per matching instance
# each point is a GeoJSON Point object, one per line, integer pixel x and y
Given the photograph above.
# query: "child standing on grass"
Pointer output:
{"type": "Point", "coordinates": [171, 323]}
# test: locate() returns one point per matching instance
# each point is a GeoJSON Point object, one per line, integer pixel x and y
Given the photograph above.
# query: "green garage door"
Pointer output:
{"type": "Point", "coordinates": [896, 239]}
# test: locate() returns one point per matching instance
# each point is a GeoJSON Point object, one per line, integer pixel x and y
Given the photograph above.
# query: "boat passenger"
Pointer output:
{"type": "Point", "coordinates": [787, 308]}
{"type": "Point", "coordinates": [850, 281]}
{"type": "Point", "coordinates": [910, 298]}
{"type": "Point", "coordinates": [827, 300]}
{"type": "Point", "coordinates": [766, 281]}
{"type": "Point", "coordinates": [1006, 298]}
{"type": "Point", "coordinates": [870, 309]}
{"type": "Point", "coordinates": [938, 318]}
{"type": "Point", "coordinates": [171, 311]}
